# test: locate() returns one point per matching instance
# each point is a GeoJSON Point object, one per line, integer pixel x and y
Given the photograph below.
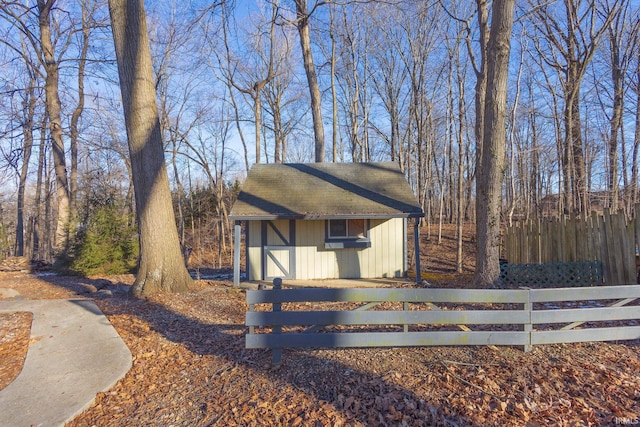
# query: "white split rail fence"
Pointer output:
{"type": "Point", "coordinates": [535, 319]}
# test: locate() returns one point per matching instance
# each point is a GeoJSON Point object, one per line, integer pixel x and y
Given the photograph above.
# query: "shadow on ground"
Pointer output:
{"type": "Point", "coordinates": [223, 383]}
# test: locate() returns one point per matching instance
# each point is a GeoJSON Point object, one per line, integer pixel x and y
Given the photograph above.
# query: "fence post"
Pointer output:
{"type": "Point", "coordinates": [276, 353]}
{"type": "Point", "coordinates": [252, 329]}
{"type": "Point", "coordinates": [528, 327]}
{"type": "Point", "coordinates": [416, 250]}
{"type": "Point", "coordinates": [405, 307]}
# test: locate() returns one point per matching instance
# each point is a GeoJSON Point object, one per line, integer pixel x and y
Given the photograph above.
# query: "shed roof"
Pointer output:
{"type": "Point", "coordinates": [324, 191]}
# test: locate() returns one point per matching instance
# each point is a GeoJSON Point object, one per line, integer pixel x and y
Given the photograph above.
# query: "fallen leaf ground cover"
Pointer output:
{"type": "Point", "coordinates": [190, 368]}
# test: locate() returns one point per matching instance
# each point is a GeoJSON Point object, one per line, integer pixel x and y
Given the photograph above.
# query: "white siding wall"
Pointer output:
{"type": "Point", "coordinates": [254, 245]}
{"type": "Point", "coordinates": [385, 257]}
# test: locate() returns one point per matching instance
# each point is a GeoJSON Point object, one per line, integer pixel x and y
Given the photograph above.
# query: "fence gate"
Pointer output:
{"type": "Point", "coordinates": [278, 258]}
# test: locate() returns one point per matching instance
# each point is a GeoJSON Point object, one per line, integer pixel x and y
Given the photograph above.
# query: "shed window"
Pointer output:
{"type": "Point", "coordinates": [347, 233]}
{"type": "Point", "coordinates": [347, 228]}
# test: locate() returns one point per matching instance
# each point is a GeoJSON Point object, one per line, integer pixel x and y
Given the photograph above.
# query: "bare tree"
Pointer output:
{"type": "Point", "coordinates": [225, 70]}
{"type": "Point", "coordinates": [480, 70]}
{"type": "Point", "coordinates": [635, 89]}
{"type": "Point", "coordinates": [257, 84]}
{"type": "Point", "coordinates": [455, 62]}
{"type": "Point", "coordinates": [489, 180]}
{"type": "Point", "coordinates": [302, 23]}
{"type": "Point", "coordinates": [334, 90]}
{"type": "Point", "coordinates": [389, 78]}
{"type": "Point", "coordinates": [88, 8]}
{"type": "Point", "coordinates": [283, 99]}
{"type": "Point", "coordinates": [47, 32]}
{"type": "Point", "coordinates": [22, 101]}
{"type": "Point", "coordinates": [620, 55]}
{"type": "Point", "coordinates": [568, 45]}
{"type": "Point", "coordinates": [51, 66]}
{"type": "Point", "coordinates": [161, 267]}
{"type": "Point", "coordinates": [49, 55]}
{"type": "Point", "coordinates": [350, 81]}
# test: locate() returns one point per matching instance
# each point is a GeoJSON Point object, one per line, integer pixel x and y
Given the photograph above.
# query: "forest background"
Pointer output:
{"type": "Point", "coordinates": [396, 80]}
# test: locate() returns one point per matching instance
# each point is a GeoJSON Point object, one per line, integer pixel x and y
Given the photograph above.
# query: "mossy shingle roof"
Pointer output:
{"type": "Point", "coordinates": [325, 190]}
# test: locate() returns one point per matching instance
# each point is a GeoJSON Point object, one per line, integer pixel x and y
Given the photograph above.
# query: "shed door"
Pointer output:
{"type": "Point", "coordinates": [279, 249]}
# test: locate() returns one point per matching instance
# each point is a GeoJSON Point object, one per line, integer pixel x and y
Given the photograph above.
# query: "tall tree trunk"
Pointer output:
{"type": "Point", "coordinates": [480, 91]}
{"type": "Point", "coordinates": [29, 108]}
{"type": "Point", "coordinates": [161, 265]}
{"type": "Point", "coordinates": [74, 130]}
{"type": "Point", "coordinates": [461, 150]}
{"type": "Point", "coordinates": [37, 220]}
{"type": "Point", "coordinates": [334, 88]}
{"type": "Point", "coordinates": [257, 111]}
{"type": "Point", "coordinates": [48, 240]}
{"type": "Point", "coordinates": [278, 135]}
{"type": "Point", "coordinates": [180, 197]}
{"type": "Point", "coordinates": [312, 79]}
{"type": "Point", "coordinates": [636, 142]}
{"type": "Point", "coordinates": [579, 165]}
{"type": "Point", "coordinates": [617, 79]}
{"type": "Point", "coordinates": [489, 180]}
{"type": "Point", "coordinates": [51, 66]}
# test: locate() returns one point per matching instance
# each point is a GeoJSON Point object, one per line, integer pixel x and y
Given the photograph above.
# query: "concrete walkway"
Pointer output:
{"type": "Point", "coordinates": [74, 354]}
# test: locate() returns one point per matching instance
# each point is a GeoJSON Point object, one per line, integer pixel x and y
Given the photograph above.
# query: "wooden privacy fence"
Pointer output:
{"type": "Point", "coordinates": [608, 238]}
{"type": "Point", "coordinates": [522, 317]}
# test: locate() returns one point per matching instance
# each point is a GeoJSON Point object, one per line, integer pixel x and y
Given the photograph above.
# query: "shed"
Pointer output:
{"type": "Point", "coordinates": [324, 221]}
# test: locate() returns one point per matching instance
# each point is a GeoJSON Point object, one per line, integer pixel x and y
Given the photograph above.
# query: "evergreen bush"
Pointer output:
{"type": "Point", "coordinates": [105, 244]}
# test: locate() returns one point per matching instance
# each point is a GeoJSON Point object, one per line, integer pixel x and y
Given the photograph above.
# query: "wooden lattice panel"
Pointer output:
{"type": "Point", "coordinates": [552, 274]}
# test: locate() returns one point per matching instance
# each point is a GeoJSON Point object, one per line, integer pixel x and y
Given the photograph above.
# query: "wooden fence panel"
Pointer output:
{"type": "Point", "coordinates": [585, 335]}
{"type": "Point", "coordinates": [609, 238]}
{"type": "Point", "coordinates": [390, 317]}
{"type": "Point", "coordinates": [536, 322]}
{"type": "Point", "coordinates": [386, 339]}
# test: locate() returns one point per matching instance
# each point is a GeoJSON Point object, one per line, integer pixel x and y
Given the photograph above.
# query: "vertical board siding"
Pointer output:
{"type": "Point", "coordinates": [254, 251]}
{"type": "Point", "coordinates": [383, 259]}
{"type": "Point", "coordinates": [609, 238]}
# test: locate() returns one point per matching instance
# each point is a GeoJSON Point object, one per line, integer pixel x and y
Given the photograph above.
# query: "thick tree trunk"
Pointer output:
{"type": "Point", "coordinates": [55, 124]}
{"type": "Point", "coordinates": [489, 181]}
{"type": "Point", "coordinates": [480, 92]}
{"type": "Point", "coordinates": [312, 79]}
{"type": "Point", "coordinates": [161, 265]}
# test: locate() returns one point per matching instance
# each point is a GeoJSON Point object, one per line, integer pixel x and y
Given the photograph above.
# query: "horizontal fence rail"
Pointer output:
{"type": "Point", "coordinates": [520, 317]}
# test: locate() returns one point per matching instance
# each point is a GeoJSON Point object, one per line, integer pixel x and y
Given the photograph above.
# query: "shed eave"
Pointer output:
{"type": "Point", "coordinates": [320, 216]}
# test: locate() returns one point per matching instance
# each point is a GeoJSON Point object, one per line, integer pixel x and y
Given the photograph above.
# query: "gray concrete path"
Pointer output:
{"type": "Point", "coordinates": [74, 354]}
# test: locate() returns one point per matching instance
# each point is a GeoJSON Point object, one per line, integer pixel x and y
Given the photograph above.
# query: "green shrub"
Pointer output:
{"type": "Point", "coordinates": [105, 244]}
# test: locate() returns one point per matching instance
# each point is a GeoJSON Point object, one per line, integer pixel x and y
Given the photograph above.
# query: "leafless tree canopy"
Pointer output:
{"type": "Point", "coordinates": [238, 83]}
